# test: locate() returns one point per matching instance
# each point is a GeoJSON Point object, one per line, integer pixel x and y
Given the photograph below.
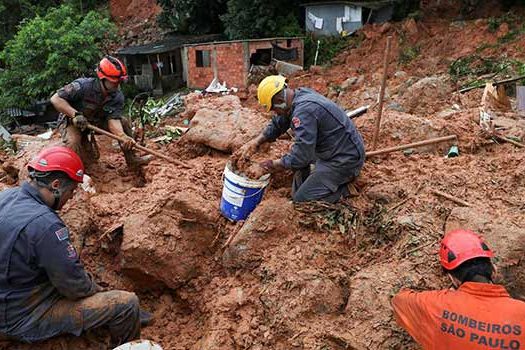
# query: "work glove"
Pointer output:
{"type": "Point", "coordinates": [128, 143]}
{"type": "Point", "coordinates": [270, 165]}
{"type": "Point", "coordinates": [80, 121]}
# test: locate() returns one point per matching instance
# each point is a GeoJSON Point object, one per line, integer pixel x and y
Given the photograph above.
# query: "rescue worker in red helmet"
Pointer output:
{"type": "Point", "coordinates": [100, 102]}
{"type": "Point", "coordinates": [44, 289]}
{"type": "Point", "coordinates": [475, 314]}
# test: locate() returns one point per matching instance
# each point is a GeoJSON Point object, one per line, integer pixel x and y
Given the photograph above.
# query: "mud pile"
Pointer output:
{"type": "Point", "coordinates": [278, 281]}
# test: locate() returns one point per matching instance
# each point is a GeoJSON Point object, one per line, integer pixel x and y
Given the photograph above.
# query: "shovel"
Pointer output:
{"type": "Point", "coordinates": [142, 148]}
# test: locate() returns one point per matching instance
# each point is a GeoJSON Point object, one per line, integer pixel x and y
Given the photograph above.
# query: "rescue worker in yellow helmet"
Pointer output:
{"type": "Point", "coordinates": [324, 136]}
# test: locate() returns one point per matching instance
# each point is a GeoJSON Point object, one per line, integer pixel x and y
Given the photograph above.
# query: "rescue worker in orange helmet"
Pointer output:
{"type": "Point", "coordinates": [475, 314]}
{"type": "Point", "coordinates": [100, 102]}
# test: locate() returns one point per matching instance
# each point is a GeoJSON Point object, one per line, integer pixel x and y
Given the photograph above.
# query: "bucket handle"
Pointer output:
{"type": "Point", "coordinates": [251, 195]}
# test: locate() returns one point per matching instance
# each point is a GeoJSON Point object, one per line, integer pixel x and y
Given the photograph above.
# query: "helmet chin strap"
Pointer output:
{"type": "Point", "coordinates": [57, 194]}
{"type": "Point", "coordinates": [283, 105]}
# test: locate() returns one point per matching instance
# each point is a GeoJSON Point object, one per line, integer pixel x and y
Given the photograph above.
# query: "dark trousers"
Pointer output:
{"type": "Point", "coordinates": [322, 184]}
{"type": "Point", "coordinates": [83, 142]}
{"type": "Point", "coordinates": [116, 310]}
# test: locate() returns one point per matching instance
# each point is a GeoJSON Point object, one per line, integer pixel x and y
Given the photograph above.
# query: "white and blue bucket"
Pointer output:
{"type": "Point", "coordinates": [241, 195]}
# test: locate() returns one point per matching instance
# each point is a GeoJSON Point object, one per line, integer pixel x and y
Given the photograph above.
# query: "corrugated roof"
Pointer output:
{"type": "Point", "coordinates": [167, 44]}
{"type": "Point", "coordinates": [244, 40]}
{"type": "Point", "coordinates": [375, 4]}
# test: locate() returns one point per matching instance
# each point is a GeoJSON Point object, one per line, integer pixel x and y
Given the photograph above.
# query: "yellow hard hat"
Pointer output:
{"type": "Point", "coordinates": [267, 89]}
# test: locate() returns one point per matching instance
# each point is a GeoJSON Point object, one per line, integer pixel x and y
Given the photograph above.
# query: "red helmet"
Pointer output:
{"type": "Point", "coordinates": [112, 69]}
{"type": "Point", "coordinates": [459, 246]}
{"type": "Point", "coordinates": [58, 158]}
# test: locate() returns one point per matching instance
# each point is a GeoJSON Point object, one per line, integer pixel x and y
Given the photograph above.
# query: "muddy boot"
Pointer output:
{"type": "Point", "coordinates": [133, 161]}
{"type": "Point", "coordinates": [95, 153]}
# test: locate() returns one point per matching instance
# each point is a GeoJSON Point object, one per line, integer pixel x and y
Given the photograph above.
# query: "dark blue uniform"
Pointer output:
{"type": "Point", "coordinates": [86, 96]}
{"type": "Point", "coordinates": [324, 135]}
{"type": "Point", "coordinates": [41, 277]}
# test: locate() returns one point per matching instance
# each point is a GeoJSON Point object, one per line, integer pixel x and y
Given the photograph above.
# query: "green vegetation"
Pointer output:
{"type": "Point", "coordinates": [13, 12]}
{"type": "Point", "coordinates": [329, 47]}
{"type": "Point", "coordinates": [261, 18]}
{"type": "Point", "coordinates": [8, 146]}
{"type": "Point", "coordinates": [147, 114]}
{"type": "Point", "coordinates": [192, 16]}
{"type": "Point", "coordinates": [408, 54]}
{"type": "Point", "coordinates": [49, 51]}
{"type": "Point", "coordinates": [474, 70]}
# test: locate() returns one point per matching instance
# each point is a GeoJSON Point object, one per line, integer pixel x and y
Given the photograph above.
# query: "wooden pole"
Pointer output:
{"type": "Point", "coordinates": [506, 81]}
{"type": "Point", "coordinates": [411, 145]}
{"type": "Point", "coordinates": [511, 141]}
{"type": "Point", "coordinates": [142, 148]}
{"type": "Point", "coordinates": [452, 198]}
{"type": "Point", "coordinates": [381, 93]}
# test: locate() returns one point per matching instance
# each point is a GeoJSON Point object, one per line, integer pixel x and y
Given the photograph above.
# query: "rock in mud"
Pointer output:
{"type": "Point", "coordinates": [169, 244]}
{"type": "Point", "coordinates": [271, 218]}
{"type": "Point", "coordinates": [226, 125]}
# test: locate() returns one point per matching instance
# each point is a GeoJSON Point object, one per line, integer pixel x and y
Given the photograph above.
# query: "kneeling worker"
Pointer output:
{"type": "Point", "coordinates": [324, 135]}
{"type": "Point", "coordinates": [476, 314]}
{"type": "Point", "coordinates": [44, 289]}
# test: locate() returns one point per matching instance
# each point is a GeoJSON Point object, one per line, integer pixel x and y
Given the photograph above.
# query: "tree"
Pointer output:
{"type": "Point", "coordinates": [12, 12]}
{"type": "Point", "coordinates": [258, 18]}
{"type": "Point", "coordinates": [47, 52]}
{"type": "Point", "coordinates": [192, 16]}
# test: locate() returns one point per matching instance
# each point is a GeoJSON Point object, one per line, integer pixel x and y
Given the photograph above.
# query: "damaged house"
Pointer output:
{"type": "Point", "coordinates": [234, 61]}
{"type": "Point", "coordinates": [158, 66]}
{"type": "Point", "coordinates": [345, 17]}
{"type": "Point", "coordinates": [195, 62]}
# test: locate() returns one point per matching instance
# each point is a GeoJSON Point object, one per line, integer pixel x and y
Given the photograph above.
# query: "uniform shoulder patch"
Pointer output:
{"type": "Point", "coordinates": [62, 234]}
{"type": "Point", "coordinates": [72, 88]}
{"type": "Point", "coordinates": [296, 122]}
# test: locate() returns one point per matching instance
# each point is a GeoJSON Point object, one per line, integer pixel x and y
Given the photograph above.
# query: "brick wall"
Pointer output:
{"type": "Point", "coordinates": [231, 60]}
{"type": "Point", "coordinates": [293, 43]}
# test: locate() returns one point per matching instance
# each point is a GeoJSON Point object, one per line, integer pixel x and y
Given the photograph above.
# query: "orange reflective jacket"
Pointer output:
{"type": "Point", "coordinates": [476, 316]}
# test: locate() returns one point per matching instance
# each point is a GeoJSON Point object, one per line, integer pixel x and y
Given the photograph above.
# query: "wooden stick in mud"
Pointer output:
{"type": "Point", "coordinates": [411, 145]}
{"type": "Point", "coordinates": [452, 198]}
{"type": "Point", "coordinates": [142, 148]}
{"type": "Point", "coordinates": [506, 81]}
{"type": "Point", "coordinates": [506, 139]}
{"type": "Point", "coordinates": [381, 93]}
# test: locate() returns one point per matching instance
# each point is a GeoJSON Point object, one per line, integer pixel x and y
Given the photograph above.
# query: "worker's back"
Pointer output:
{"type": "Point", "coordinates": [476, 316]}
{"type": "Point", "coordinates": [337, 139]}
{"type": "Point", "coordinates": [24, 288]}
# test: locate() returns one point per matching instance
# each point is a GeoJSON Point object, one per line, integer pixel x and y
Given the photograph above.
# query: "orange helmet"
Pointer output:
{"type": "Point", "coordinates": [112, 69]}
{"type": "Point", "coordinates": [459, 246]}
{"type": "Point", "coordinates": [58, 158]}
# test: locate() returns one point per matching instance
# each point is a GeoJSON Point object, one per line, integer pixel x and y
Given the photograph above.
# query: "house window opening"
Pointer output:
{"type": "Point", "coordinates": [203, 58]}
{"type": "Point", "coordinates": [261, 57]}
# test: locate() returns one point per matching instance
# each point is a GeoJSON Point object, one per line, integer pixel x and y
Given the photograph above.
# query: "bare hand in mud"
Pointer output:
{"type": "Point", "coordinates": [244, 153]}
{"type": "Point", "coordinates": [128, 143]}
{"type": "Point", "coordinates": [270, 165]}
{"type": "Point", "coordinates": [248, 149]}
